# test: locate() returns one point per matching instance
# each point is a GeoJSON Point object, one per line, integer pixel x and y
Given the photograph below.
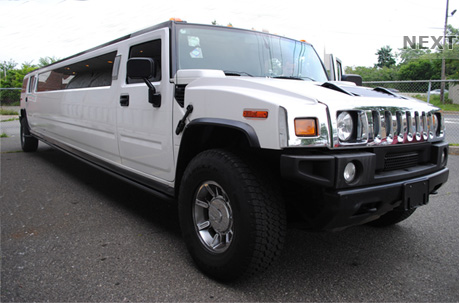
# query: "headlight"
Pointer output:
{"type": "Point", "coordinates": [435, 124]}
{"type": "Point", "coordinates": [345, 126]}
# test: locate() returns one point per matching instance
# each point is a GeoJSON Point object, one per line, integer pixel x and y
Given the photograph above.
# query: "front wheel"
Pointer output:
{"type": "Point", "coordinates": [232, 218]}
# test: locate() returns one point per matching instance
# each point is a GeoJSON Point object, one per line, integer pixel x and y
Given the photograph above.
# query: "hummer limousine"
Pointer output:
{"type": "Point", "coordinates": [244, 130]}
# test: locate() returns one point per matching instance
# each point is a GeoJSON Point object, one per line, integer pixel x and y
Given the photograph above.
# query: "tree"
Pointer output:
{"type": "Point", "coordinates": [408, 54]}
{"type": "Point", "coordinates": [46, 61]}
{"type": "Point", "coordinates": [385, 57]}
{"type": "Point", "coordinates": [13, 79]}
{"type": "Point", "coordinates": [421, 69]}
{"type": "Point", "coordinates": [5, 67]}
{"type": "Point", "coordinates": [374, 74]}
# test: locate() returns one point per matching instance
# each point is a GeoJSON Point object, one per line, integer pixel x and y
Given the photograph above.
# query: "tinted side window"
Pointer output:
{"type": "Point", "coordinates": [31, 84]}
{"type": "Point", "coordinates": [93, 72]}
{"type": "Point", "coordinates": [150, 49]}
{"type": "Point", "coordinates": [24, 85]}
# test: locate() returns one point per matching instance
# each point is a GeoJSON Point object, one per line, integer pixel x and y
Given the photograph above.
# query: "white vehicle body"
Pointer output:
{"type": "Point", "coordinates": [356, 149]}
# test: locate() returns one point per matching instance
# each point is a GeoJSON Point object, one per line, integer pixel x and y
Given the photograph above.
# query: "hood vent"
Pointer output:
{"type": "Point", "coordinates": [180, 94]}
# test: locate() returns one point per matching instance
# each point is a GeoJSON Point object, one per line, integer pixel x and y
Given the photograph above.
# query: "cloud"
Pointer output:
{"type": "Point", "coordinates": [352, 29]}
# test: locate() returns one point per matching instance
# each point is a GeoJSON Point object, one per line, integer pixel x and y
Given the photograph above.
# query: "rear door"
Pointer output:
{"type": "Point", "coordinates": [144, 131]}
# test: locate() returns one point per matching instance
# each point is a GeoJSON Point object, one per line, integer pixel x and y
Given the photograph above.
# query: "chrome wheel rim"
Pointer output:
{"type": "Point", "coordinates": [213, 217]}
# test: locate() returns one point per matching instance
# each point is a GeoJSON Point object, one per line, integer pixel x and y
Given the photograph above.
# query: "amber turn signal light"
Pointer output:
{"type": "Point", "coordinates": [263, 114]}
{"type": "Point", "coordinates": [306, 127]}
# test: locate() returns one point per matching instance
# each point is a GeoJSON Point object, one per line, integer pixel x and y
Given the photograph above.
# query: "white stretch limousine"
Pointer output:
{"type": "Point", "coordinates": [244, 130]}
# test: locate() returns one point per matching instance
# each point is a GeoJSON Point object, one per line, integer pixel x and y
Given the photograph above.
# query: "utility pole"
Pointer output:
{"type": "Point", "coordinates": [443, 63]}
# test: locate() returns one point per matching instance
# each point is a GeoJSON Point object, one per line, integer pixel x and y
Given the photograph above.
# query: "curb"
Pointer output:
{"type": "Point", "coordinates": [454, 150]}
{"type": "Point", "coordinates": [4, 118]}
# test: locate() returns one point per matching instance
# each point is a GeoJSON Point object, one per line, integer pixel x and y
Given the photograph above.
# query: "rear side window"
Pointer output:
{"type": "Point", "coordinates": [94, 72]}
{"type": "Point", "coordinates": [150, 49]}
{"type": "Point", "coordinates": [24, 85]}
{"type": "Point", "coordinates": [31, 85]}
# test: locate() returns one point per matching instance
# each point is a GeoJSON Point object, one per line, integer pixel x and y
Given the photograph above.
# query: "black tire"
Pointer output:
{"type": "Point", "coordinates": [232, 218]}
{"type": "Point", "coordinates": [28, 143]}
{"type": "Point", "coordinates": [392, 217]}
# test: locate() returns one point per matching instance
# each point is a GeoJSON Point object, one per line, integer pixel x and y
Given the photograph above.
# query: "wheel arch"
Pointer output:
{"type": "Point", "coordinates": [207, 133]}
{"type": "Point", "coordinates": [23, 118]}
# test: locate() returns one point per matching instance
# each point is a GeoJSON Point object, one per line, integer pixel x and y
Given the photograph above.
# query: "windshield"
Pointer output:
{"type": "Point", "coordinates": [246, 53]}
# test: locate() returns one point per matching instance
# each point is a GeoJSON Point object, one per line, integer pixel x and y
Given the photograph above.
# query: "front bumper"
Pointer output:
{"type": "Point", "coordinates": [350, 207]}
{"type": "Point", "coordinates": [376, 191]}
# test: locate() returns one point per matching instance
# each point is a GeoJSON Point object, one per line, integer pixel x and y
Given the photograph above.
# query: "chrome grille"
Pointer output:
{"type": "Point", "coordinates": [389, 126]}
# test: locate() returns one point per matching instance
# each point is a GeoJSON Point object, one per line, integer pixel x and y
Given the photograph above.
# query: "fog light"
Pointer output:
{"type": "Point", "coordinates": [444, 157]}
{"type": "Point", "coordinates": [349, 172]}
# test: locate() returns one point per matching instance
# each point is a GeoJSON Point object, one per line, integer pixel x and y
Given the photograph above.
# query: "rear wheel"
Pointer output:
{"type": "Point", "coordinates": [28, 143]}
{"type": "Point", "coordinates": [232, 219]}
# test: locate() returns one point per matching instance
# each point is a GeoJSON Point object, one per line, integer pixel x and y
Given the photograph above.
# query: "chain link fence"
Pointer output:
{"type": "Point", "coordinates": [9, 96]}
{"type": "Point", "coordinates": [429, 91]}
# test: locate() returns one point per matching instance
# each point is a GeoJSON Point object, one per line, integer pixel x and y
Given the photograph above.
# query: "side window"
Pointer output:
{"type": "Point", "coordinates": [339, 69]}
{"type": "Point", "coordinates": [31, 85]}
{"type": "Point", "coordinates": [150, 49]}
{"type": "Point", "coordinates": [49, 81]}
{"type": "Point", "coordinates": [93, 72]}
{"type": "Point", "coordinates": [24, 85]}
{"type": "Point", "coordinates": [116, 67]}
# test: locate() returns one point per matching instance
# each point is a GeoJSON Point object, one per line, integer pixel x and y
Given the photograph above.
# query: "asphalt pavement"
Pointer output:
{"type": "Point", "coordinates": [70, 232]}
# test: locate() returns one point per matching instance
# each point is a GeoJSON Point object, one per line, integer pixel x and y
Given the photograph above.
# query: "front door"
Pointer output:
{"type": "Point", "coordinates": [144, 131]}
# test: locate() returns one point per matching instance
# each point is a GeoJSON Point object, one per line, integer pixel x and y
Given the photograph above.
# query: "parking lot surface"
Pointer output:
{"type": "Point", "coordinates": [70, 232]}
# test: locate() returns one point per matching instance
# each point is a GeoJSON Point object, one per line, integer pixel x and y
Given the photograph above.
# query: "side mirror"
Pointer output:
{"type": "Point", "coordinates": [144, 68]}
{"type": "Point", "coordinates": [357, 79]}
{"type": "Point", "coordinates": [140, 68]}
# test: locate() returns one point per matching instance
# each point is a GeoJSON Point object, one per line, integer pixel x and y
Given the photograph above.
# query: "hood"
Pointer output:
{"type": "Point", "coordinates": [379, 115]}
{"type": "Point", "coordinates": [335, 95]}
{"type": "Point", "coordinates": [340, 95]}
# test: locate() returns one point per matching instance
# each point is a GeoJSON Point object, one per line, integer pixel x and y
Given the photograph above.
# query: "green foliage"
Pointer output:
{"type": "Point", "coordinates": [373, 73]}
{"type": "Point", "coordinates": [406, 55]}
{"type": "Point", "coordinates": [414, 64]}
{"type": "Point", "coordinates": [13, 78]}
{"type": "Point", "coordinates": [385, 57]}
{"type": "Point", "coordinates": [421, 69]}
{"type": "Point", "coordinates": [8, 112]}
{"type": "Point", "coordinates": [435, 100]}
{"type": "Point", "coordinates": [47, 61]}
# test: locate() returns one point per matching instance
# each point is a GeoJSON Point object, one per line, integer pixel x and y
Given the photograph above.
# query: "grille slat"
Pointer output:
{"type": "Point", "coordinates": [400, 161]}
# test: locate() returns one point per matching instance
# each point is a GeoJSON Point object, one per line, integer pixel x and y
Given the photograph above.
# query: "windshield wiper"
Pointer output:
{"type": "Point", "coordinates": [287, 77]}
{"type": "Point", "coordinates": [235, 73]}
{"type": "Point", "coordinates": [293, 78]}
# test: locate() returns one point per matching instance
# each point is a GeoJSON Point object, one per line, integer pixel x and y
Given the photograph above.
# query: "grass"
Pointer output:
{"type": "Point", "coordinates": [3, 135]}
{"type": "Point", "coordinates": [8, 112]}
{"type": "Point", "coordinates": [435, 100]}
{"type": "Point", "coordinates": [8, 120]}
{"type": "Point", "coordinates": [453, 144]}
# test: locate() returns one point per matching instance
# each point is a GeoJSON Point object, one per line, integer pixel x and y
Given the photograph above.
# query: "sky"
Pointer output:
{"type": "Point", "coordinates": [353, 30]}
